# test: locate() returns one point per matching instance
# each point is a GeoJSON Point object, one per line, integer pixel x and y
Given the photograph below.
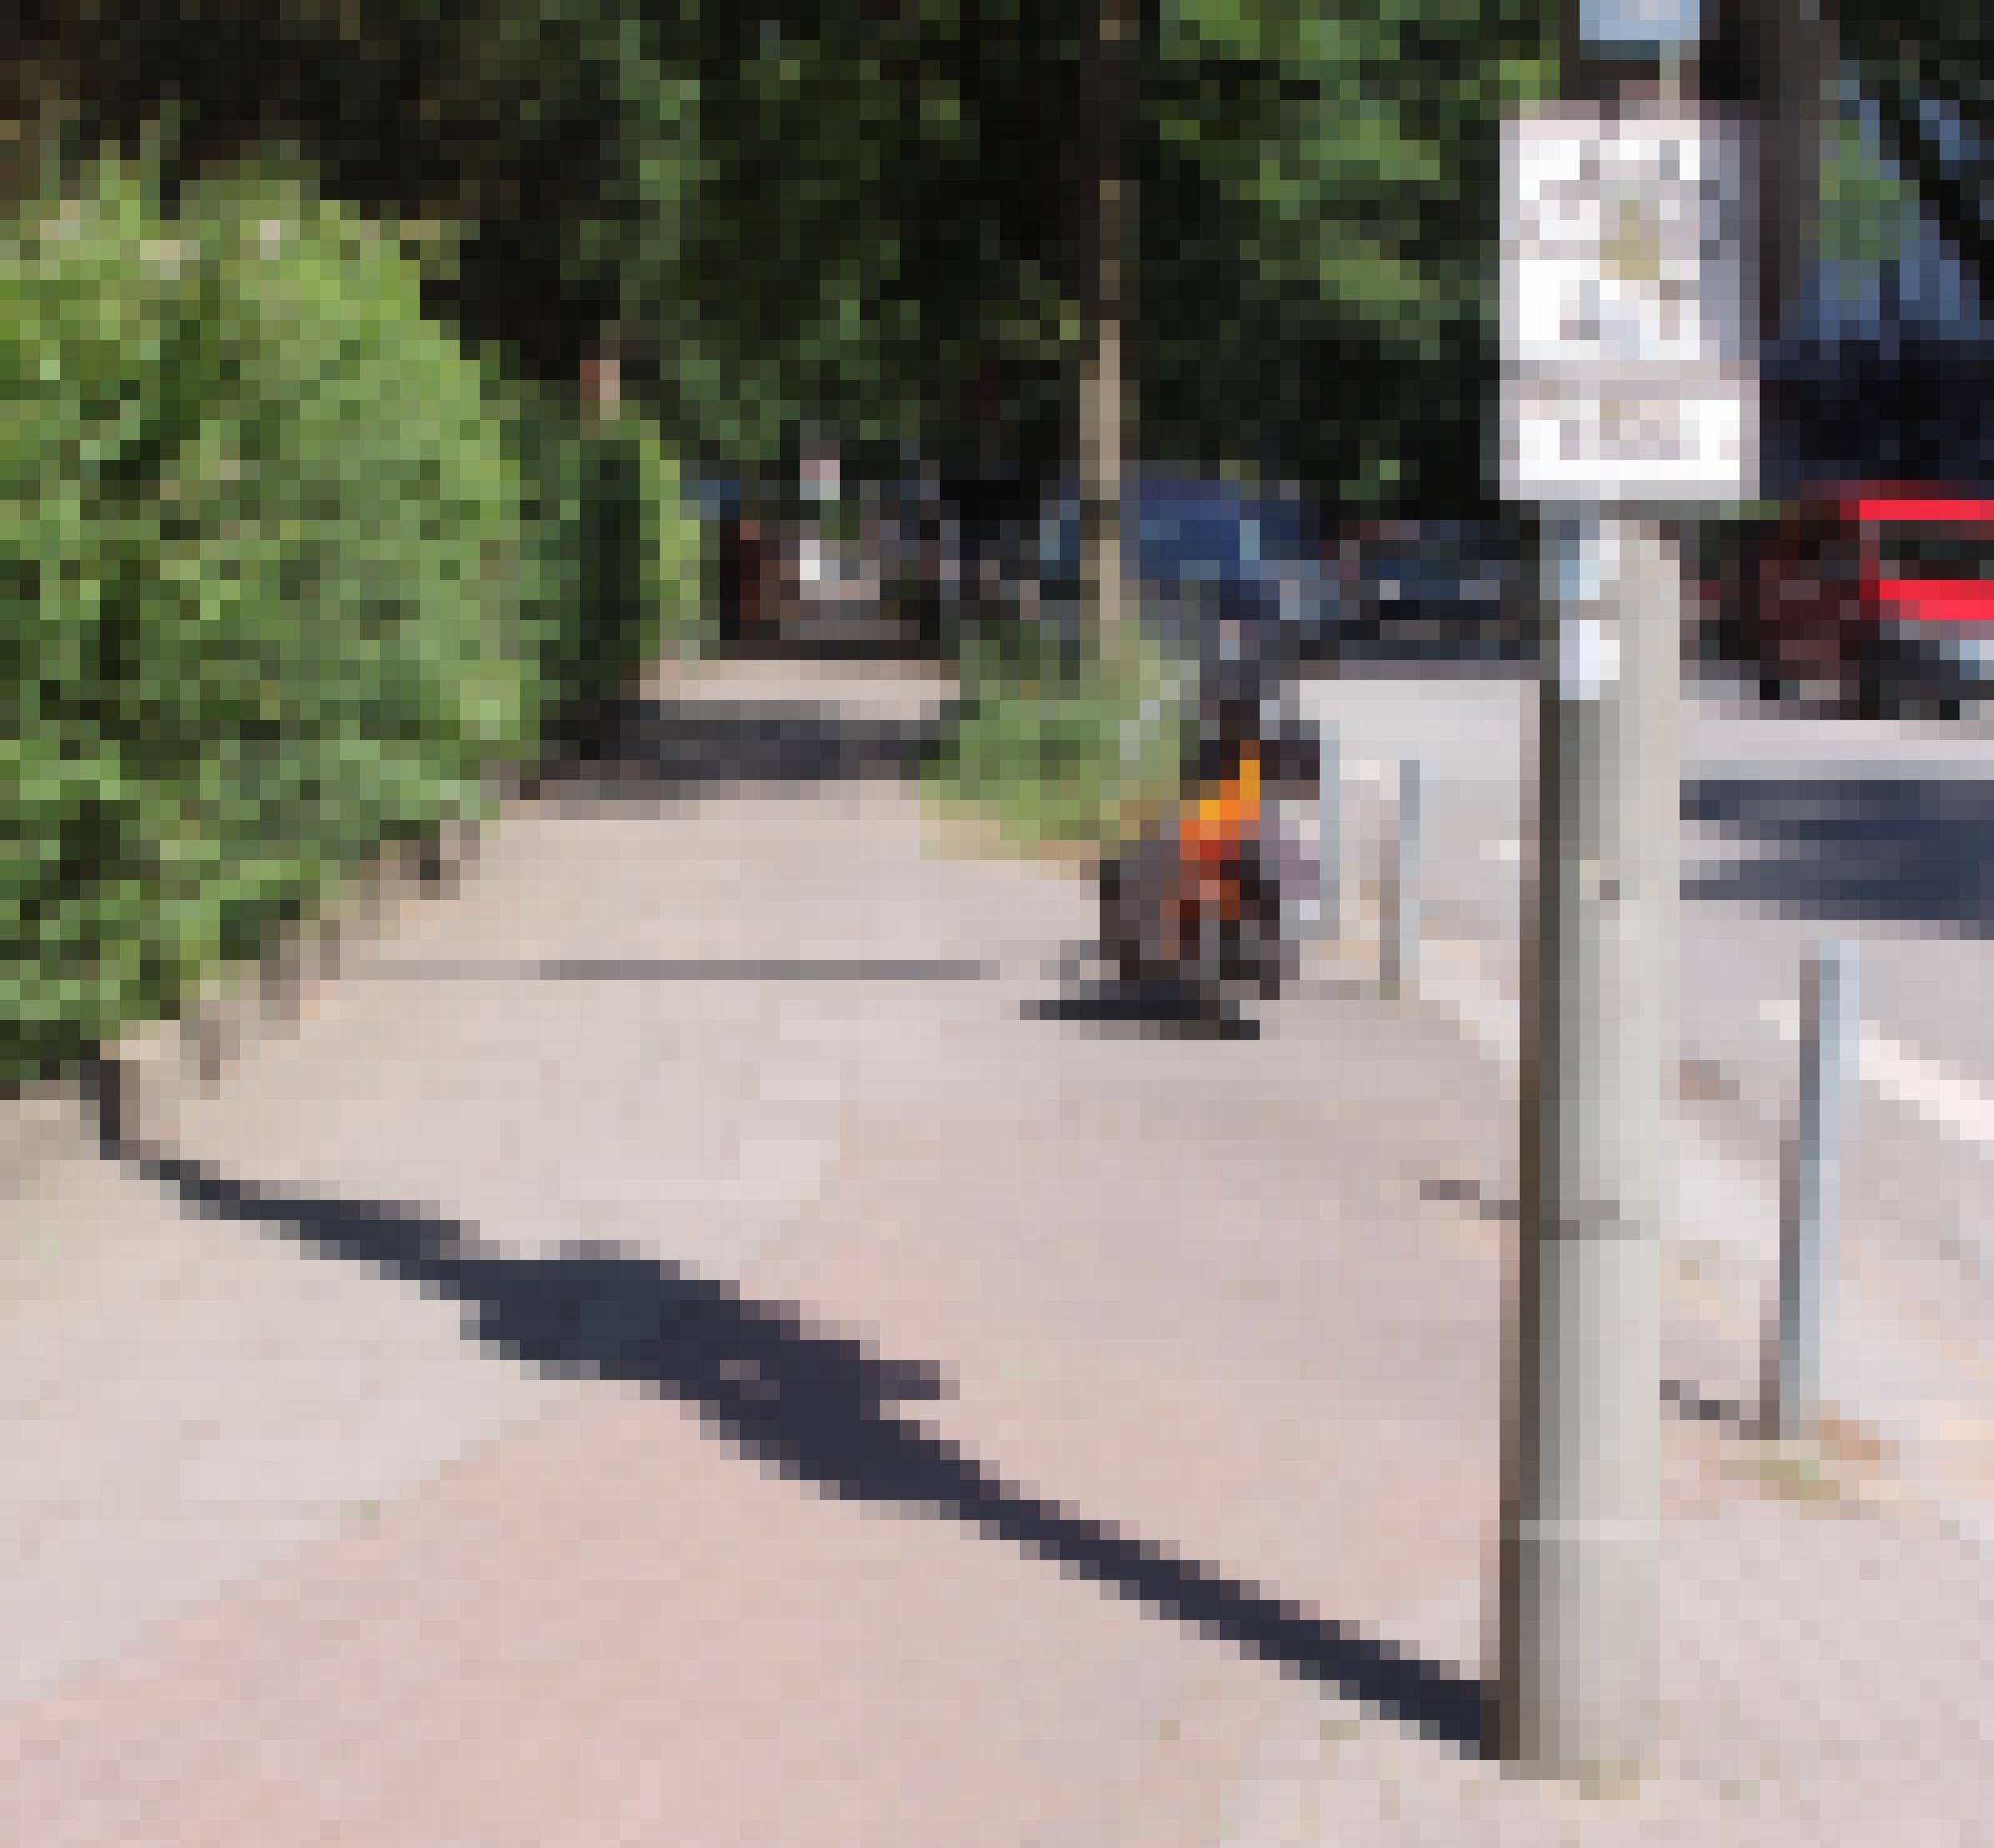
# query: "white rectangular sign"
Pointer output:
{"type": "Point", "coordinates": [1580, 444]}
{"type": "Point", "coordinates": [1628, 359]}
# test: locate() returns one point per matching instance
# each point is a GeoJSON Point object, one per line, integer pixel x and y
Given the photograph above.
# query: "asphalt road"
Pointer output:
{"type": "Point", "coordinates": [1794, 829]}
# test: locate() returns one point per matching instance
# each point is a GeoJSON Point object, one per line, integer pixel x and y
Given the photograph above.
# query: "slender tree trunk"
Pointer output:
{"type": "Point", "coordinates": [1799, 47]}
{"type": "Point", "coordinates": [1102, 397]}
{"type": "Point", "coordinates": [602, 377]}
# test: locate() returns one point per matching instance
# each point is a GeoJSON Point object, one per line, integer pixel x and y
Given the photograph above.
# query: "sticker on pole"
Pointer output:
{"type": "Point", "coordinates": [1629, 372]}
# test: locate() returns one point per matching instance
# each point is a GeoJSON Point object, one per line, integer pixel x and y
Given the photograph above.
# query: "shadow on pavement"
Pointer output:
{"type": "Point", "coordinates": [815, 1406]}
{"type": "Point", "coordinates": [1907, 850]}
{"type": "Point", "coordinates": [862, 642]}
{"type": "Point", "coordinates": [1733, 1416]}
{"type": "Point", "coordinates": [649, 750]}
{"type": "Point", "coordinates": [694, 969]}
{"type": "Point", "coordinates": [1407, 660]}
{"type": "Point", "coordinates": [1147, 1011]}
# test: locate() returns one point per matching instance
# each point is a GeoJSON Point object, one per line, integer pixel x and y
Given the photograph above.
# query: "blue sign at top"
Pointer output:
{"type": "Point", "coordinates": [1658, 22]}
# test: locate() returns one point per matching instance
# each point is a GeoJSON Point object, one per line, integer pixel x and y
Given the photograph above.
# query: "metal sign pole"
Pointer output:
{"type": "Point", "coordinates": [1329, 849]}
{"type": "Point", "coordinates": [1625, 394]}
{"type": "Point", "coordinates": [1580, 1586]}
{"type": "Point", "coordinates": [1399, 932]}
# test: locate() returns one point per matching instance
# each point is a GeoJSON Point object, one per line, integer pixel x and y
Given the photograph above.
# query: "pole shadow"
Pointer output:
{"type": "Point", "coordinates": [816, 1406]}
{"type": "Point", "coordinates": [1735, 1417]}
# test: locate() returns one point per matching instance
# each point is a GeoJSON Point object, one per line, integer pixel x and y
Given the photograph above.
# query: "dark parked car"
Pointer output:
{"type": "Point", "coordinates": [1438, 589]}
{"type": "Point", "coordinates": [876, 570]}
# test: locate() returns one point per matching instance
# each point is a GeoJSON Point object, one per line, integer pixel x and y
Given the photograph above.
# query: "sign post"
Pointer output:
{"type": "Point", "coordinates": [1627, 399]}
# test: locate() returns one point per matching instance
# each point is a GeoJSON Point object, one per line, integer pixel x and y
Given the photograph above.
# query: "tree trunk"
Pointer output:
{"type": "Point", "coordinates": [1799, 48]}
{"type": "Point", "coordinates": [1102, 397]}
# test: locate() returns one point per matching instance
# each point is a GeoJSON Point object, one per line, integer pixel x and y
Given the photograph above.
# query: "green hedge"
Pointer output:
{"type": "Point", "coordinates": [617, 555]}
{"type": "Point", "coordinates": [269, 591]}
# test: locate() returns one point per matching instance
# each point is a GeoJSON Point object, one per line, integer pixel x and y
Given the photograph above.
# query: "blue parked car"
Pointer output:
{"type": "Point", "coordinates": [1192, 545]}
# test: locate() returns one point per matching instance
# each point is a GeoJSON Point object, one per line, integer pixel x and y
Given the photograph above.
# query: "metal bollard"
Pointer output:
{"type": "Point", "coordinates": [1329, 851]}
{"type": "Point", "coordinates": [1399, 935]}
{"type": "Point", "coordinates": [1810, 1195]}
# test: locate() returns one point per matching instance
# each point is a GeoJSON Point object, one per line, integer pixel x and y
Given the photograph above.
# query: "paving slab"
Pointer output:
{"type": "Point", "coordinates": [1822, 1684]}
{"type": "Point", "coordinates": [187, 1403]}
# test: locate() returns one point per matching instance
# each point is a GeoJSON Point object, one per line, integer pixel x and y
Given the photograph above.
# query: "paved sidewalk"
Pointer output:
{"type": "Point", "coordinates": [975, 1429]}
{"type": "Point", "coordinates": [1824, 1681]}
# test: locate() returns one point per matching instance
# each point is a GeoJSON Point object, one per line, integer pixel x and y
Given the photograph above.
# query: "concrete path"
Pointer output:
{"type": "Point", "coordinates": [701, 1361]}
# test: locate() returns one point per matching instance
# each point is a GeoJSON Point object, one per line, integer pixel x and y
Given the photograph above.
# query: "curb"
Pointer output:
{"type": "Point", "coordinates": [156, 1066]}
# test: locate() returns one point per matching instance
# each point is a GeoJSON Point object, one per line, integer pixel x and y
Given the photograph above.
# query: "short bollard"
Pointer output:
{"type": "Point", "coordinates": [1810, 1194]}
{"type": "Point", "coordinates": [1329, 849]}
{"type": "Point", "coordinates": [1399, 932]}
{"type": "Point", "coordinates": [1273, 837]}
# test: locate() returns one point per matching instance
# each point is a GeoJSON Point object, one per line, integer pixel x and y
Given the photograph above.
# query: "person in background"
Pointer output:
{"type": "Point", "coordinates": [1197, 906]}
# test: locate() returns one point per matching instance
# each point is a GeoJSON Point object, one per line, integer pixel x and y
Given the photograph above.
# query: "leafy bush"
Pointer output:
{"type": "Point", "coordinates": [267, 591]}
{"type": "Point", "coordinates": [1062, 747]}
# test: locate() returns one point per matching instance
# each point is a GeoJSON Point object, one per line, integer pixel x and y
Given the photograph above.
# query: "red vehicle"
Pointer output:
{"type": "Point", "coordinates": [1880, 599]}
{"type": "Point", "coordinates": [755, 594]}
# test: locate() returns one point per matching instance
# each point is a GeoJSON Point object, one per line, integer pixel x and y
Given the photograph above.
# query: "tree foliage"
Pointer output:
{"type": "Point", "coordinates": [1317, 290]}
{"type": "Point", "coordinates": [872, 220]}
{"type": "Point", "coordinates": [876, 221]}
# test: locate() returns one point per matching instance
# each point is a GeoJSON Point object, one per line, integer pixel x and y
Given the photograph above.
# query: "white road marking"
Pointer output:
{"type": "Point", "coordinates": [1943, 1098]}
